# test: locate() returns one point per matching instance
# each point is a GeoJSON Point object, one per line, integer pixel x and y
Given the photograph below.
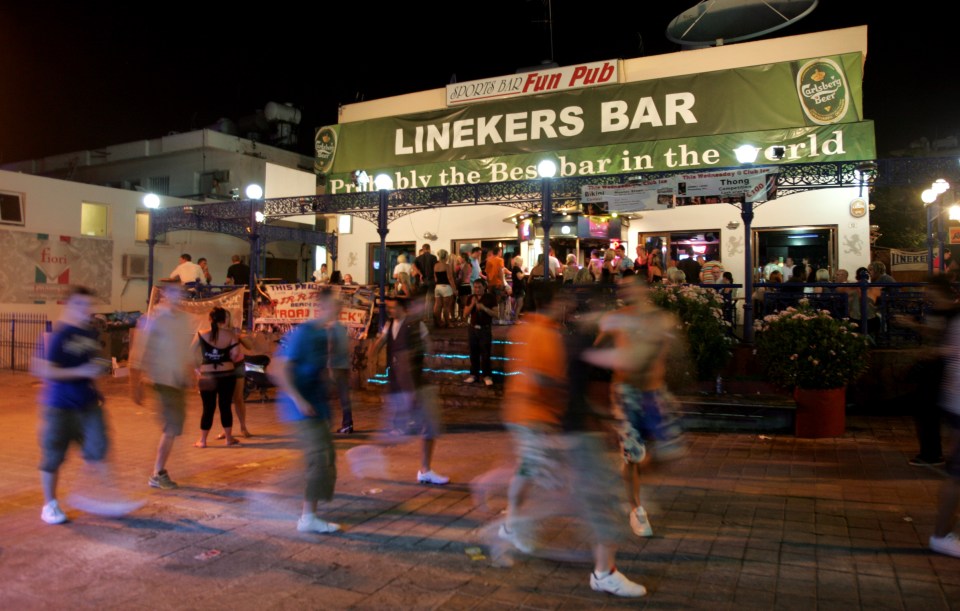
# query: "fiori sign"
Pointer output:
{"type": "Point", "coordinates": [533, 82]}
{"type": "Point", "coordinates": [42, 268]}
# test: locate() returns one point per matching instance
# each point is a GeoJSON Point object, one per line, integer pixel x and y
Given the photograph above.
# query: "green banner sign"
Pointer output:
{"type": "Point", "coordinates": [816, 144]}
{"type": "Point", "coordinates": [811, 92]}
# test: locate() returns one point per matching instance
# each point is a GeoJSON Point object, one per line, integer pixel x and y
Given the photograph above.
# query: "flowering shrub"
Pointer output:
{"type": "Point", "coordinates": [700, 311]}
{"type": "Point", "coordinates": [807, 348]}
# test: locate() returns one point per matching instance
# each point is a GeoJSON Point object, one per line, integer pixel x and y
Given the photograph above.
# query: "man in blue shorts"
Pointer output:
{"type": "Point", "coordinates": [642, 335]}
{"type": "Point", "coordinates": [71, 406]}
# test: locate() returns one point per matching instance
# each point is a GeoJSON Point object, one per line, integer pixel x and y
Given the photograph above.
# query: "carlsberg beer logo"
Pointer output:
{"type": "Point", "coordinates": [325, 145]}
{"type": "Point", "coordinates": [823, 89]}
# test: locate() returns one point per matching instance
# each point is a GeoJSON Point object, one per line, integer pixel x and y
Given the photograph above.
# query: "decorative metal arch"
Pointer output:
{"type": "Point", "coordinates": [237, 218]}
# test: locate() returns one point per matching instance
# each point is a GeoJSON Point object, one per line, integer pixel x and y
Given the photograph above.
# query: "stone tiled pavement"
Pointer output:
{"type": "Point", "coordinates": [744, 522]}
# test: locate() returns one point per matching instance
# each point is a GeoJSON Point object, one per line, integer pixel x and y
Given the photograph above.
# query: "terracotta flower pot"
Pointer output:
{"type": "Point", "coordinates": [820, 413]}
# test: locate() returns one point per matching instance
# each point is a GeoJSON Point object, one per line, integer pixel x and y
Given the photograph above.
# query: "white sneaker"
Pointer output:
{"type": "Point", "coordinates": [949, 545]}
{"type": "Point", "coordinates": [470, 380]}
{"type": "Point", "coordinates": [431, 477]}
{"type": "Point", "coordinates": [640, 523]}
{"type": "Point", "coordinates": [617, 584]}
{"type": "Point", "coordinates": [52, 514]}
{"type": "Point", "coordinates": [313, 524]}
{"type": "Point", "coordinates": [511, 537]}
{"type": "Point", "coordinates": [488, 381]}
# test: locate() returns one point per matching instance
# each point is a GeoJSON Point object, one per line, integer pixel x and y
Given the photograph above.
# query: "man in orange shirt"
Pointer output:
{"type": "Point", "coordinates": [496, 278]}
{"type": "Point", "coordinates": [553, 452]}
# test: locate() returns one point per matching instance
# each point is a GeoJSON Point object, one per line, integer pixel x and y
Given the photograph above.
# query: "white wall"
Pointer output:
{"type": "Point", "coordinates": [752, 53]}
{"type": "Point", "coordinates": [459, 223]}
{"type": "Point", "coordinates": [53, 207]}
{"type": "Point", "coordinates": [823, 207]}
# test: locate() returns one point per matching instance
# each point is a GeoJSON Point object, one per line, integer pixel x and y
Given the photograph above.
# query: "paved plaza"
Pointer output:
{"type": "Point", "coordinates": [746, 521]}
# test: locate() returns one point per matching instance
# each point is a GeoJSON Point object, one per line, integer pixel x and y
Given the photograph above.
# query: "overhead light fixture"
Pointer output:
{"type": "Point", "coordinates": [383, 182]}
{"type": "Point", "coordinates": [254, 191]}
{"type": "Point", "coordinates": [746, 153]}
{"type": "Point", "coordinates": [151, 200]}
{"type": "Point", "coordinates": [547, 168]}
{"type": "Point", "coordinates": [777, 152]}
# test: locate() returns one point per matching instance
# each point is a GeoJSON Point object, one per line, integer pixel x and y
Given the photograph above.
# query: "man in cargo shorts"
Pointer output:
{"type": "Point", "coordinates": [161, 352]}
{"type": "Point", "coordinates": [642, 335]}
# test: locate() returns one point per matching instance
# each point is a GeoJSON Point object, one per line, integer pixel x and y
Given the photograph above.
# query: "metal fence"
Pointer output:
{"type": "Point", "coordinates": [20, 336]}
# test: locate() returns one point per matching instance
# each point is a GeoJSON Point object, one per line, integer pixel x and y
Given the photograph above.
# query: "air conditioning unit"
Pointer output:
{"type": "Point", "coordinates": [135, 266]}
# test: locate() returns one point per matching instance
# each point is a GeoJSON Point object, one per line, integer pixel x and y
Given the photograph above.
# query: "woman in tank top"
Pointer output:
{"type": "Point", "coordinates": [215, 351]}
{"type": "Point", "coordinates": [443, 291]}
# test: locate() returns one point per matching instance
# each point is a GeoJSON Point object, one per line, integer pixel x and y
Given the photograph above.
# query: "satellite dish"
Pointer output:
{"type": "Point", "coordinates": [716, 22]}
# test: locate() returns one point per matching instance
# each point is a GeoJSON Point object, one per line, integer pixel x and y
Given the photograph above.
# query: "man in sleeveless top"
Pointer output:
{"type": "Point", "coordinates": [300, 367]}
{"type": "Point", "coordinates": [410, 398]}
{"type": "Point", "coordinates": [642, 335]}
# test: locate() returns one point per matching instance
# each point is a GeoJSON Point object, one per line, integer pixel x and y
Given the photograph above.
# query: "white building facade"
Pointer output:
{"type": "Point", "coordinates": [798, 99]}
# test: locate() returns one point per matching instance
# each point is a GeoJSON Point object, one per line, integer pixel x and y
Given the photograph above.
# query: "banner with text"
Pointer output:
{"type": "Point", "coordinates": [813, 92]}
{"type": "Point", "coordinates": [42, 268]}
{"type": "Point", "coordinates": [534, 82]}
{"type": "Point", "coordinates": [296, 303]}
{"type": "Point", "coordinates": [756, 184]}
{"type": "Point", "coordinates": [848, 142]}
{"type": "Point", "coordinates": [908, 260]}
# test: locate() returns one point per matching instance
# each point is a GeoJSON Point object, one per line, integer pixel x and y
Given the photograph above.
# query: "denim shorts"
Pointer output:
{"type": "Point", "coordinates": [61, 426]}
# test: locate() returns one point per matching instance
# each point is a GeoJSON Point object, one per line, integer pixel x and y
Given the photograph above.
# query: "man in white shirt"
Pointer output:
{"type": "Point", "coordinates": [187, 272]}
{"type": "Point", "coordinates": [555, 268]}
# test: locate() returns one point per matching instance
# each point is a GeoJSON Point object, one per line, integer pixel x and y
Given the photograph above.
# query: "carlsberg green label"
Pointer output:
{"type": "Point", "coordinates": [822, 88]}
{"type": "Point", "coordinates": [325, 145]}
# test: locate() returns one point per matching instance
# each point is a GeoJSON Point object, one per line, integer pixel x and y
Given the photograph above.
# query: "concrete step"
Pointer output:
{"type": "Point", "coordinates": [737, 413]}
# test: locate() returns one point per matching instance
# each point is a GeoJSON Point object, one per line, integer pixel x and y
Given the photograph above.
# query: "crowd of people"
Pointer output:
{"type": "Point", "coordinates": [557, 423]}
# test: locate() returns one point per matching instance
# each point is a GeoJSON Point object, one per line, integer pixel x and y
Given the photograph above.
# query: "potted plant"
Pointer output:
{"type": "Point", "coordinates": [700, 311]}
{"type": "Point", "coordinates": [817, 356]}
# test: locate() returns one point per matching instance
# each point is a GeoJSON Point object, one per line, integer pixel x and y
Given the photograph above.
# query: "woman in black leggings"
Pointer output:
{"type": "Point", "coordinates": [215, 351]}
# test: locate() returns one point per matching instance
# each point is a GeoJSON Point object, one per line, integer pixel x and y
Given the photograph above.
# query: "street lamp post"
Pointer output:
{"type": "Point", "coordinates": [547, 169]}
{"type": "Point", "coordinates": [931, 203]}
{"type": "Point", "coordinates": [151, 201]}
{"type": "Point", "coordinates": [746, 213]}
{"type": "Point", "coordinates": [384, 185]}
{"type": "Point", "coordinates": [747, 154]}
{"type": "Point", "coordinates": [254, 192]}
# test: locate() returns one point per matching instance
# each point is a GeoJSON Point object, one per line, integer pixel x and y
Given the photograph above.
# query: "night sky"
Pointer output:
{"type": "Point", "coordinates": [78, 76]}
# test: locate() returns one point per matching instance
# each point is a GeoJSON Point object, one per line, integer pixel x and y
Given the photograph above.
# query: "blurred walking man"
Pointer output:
{"type": "Point", "coordinates": [409, 398]}
{"type": "Point", "coordinates": [72, 408]}
{"type": "Point", "coordinates": [642, 334]}
{"type": "Point", "coordinates": [161, 353]}
{"type": "Point", "coordinates": [301, 373]}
